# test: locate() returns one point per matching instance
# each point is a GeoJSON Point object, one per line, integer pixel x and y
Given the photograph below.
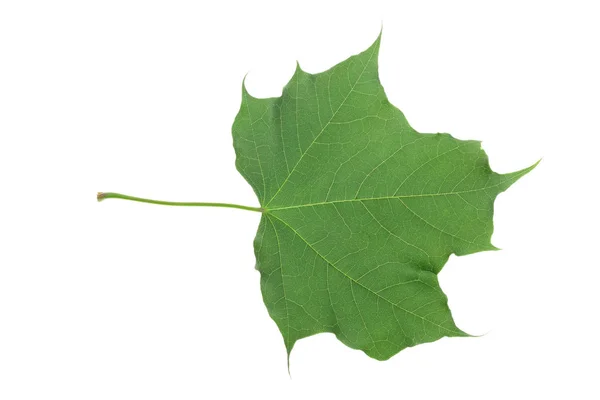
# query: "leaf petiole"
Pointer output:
{"type": "Point", "coordinates": [101, 196]}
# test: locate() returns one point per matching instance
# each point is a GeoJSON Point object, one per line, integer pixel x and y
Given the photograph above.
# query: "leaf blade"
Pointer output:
{"type": "Point", "coordinates": [361, 211]}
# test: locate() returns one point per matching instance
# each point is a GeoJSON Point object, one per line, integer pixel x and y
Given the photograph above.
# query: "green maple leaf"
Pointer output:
{"type": "Point", "coordinates": [360, 211]}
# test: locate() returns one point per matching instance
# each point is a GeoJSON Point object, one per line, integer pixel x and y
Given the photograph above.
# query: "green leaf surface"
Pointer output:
{"type": "Point", "coordinates": [361, 212]}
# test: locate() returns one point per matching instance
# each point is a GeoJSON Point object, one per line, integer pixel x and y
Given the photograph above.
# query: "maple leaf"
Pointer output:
{"type": "Point", "coordinates": [360, 211]}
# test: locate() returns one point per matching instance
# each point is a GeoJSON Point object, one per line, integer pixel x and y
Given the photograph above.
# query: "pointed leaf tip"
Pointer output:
{"type": "Point", "coordinates": [512, 177]}
{"type": "Point", "coordinates": [244, 89]}
{"type": "Point", "coordinates": [376, 44]}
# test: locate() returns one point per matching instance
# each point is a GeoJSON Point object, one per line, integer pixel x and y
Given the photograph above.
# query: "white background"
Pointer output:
{"type": "Point", "coordinates": [123, 300]}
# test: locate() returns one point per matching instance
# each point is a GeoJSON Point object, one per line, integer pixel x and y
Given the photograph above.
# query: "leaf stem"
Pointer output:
{"type": "Point", "coordinates": [101, 196]}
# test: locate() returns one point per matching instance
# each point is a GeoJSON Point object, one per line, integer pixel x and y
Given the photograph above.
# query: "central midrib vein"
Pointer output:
{"type": "Point", "coordinates": [406, 196]}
